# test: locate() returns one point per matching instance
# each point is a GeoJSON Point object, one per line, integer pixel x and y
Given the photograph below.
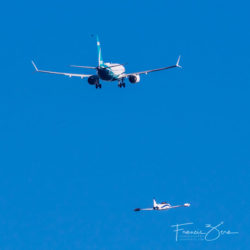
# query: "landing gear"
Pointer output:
{"type": "Point", "coordinates": [98, 86]}
{"type": "Point", "coordinates": [121, 84]}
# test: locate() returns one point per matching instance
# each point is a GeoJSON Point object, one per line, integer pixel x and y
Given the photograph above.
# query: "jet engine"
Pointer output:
{"type": "Point", "coordinates": [93, 80]}
{"type": "Point", "coordinates": [134, 78]}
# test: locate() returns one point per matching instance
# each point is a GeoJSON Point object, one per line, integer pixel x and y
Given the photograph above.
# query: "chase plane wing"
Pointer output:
{"type": "Point", "coordinates": [140, 209]}
{"type": "Point", "coordinates": [185, 205]}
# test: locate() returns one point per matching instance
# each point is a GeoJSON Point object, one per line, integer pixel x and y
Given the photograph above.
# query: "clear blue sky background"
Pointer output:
{"type": "Point", "coordinates": [76, 161]}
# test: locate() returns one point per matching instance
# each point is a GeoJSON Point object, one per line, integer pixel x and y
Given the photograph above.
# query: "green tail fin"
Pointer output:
{"type": "Point", "coordinates": [100, 60]}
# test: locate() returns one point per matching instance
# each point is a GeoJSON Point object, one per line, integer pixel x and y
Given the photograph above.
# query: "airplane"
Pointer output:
{"type": "Point", "coordinates": [107, 71]}
{"type": "Point", "coordinates": [161, 206]}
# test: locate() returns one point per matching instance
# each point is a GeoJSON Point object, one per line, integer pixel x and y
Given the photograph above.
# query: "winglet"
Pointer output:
{"type": "Point", "coordinates": [177, 64]}
{"type": "Point", "coordinates": [34, 65]}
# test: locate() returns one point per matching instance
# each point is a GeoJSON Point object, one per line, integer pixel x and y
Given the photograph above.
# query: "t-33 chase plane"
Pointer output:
{"type": "Point", "coordinates": [161, 206]}
{"type": "Point", "coordinates": [111, 72]}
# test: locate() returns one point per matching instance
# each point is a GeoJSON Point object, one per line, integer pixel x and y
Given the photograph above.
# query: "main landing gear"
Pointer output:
{"type": "Point", "coordinates": [121, 84]}
{"type": "Point", "coordinates": [98, 86]}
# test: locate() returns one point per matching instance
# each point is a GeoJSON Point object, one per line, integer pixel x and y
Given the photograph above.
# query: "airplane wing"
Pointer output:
{"type": "Point", "coordinates": [176, 206]}
{"type": "Point", "coordinates": [140, 209]}
{"type": "Point", "coordinates": [59, 73]}
{"type": "Point", "coordinates": [153, 70]}
{"type": "Point", "coordinates": [185, 205]}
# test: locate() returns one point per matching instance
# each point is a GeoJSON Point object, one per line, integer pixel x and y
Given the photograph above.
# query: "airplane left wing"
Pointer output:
{"type": "Point", "coordinates": [139, 209]}
{"type": "Point", "coordinates": [153, 70]}
{"type": "Point", "coordinates": [59, 73]}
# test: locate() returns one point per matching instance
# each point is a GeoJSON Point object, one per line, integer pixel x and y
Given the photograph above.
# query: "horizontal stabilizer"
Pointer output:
{"type": "Point", "coordinates": [84, 67]}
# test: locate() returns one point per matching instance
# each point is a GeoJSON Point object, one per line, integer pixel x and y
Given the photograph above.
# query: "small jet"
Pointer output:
{"type": "Point", "coordinates": [161, 206]}
{"type": "Point", "coordinates": [111, 72]}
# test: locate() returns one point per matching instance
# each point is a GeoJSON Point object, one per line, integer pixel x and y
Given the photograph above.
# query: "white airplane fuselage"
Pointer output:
{"type": "Point", "coordinates": [161, 206]}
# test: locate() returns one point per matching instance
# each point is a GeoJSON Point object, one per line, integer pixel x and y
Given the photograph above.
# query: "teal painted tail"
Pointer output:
{"type": "Point", "coordinates": [100, 60]}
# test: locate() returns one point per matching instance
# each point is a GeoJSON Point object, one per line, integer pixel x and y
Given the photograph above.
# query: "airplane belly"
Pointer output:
{"type": "Point", "coordinates": [106, 75]}
{"type": "Point", "coordinates": [112, 73]}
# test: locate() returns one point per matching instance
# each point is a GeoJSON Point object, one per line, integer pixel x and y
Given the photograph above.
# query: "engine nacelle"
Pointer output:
{"type": "Point", "coordinates": [134, 78]}
{"type": "Point", "coordinates": [93, 80]}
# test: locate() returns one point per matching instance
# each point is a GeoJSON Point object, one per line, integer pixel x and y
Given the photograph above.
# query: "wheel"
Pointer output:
{"type": "Point", "coordinates": [96, 86]}
{"type": "Point", "coordinates": [123, 84]}
{"type": "Point", "coordinates": [100, 86]}
{"type": "Point", "coordinates": [119, 85]}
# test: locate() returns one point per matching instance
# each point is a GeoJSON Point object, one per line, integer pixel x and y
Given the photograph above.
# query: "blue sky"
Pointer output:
{"type": "Point", "coordinates": [76, 161]}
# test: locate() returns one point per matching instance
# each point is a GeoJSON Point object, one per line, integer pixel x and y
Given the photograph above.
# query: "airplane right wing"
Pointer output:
{"type": "Point", "coordinates": [153, 70]}
{"type": "Point", "coordinates": [60, 73]}
{"type": "Point", "coordinates": [184, 205]}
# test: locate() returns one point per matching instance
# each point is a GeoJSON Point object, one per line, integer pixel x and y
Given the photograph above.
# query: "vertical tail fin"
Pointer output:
{"type": "Point", "coordinates": [154, 203]}
{"type": "Point", "coordinates": [100, 60]}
